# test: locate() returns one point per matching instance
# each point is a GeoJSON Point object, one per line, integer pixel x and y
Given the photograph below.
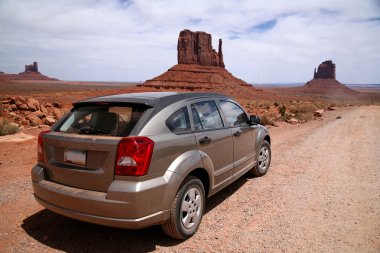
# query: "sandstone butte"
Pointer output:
{"type": "Point", "coordinates": [324, 82]}
{"type": "Point", "coordinates": [201, 68]}
{"type": "Point", "coordinates": [31, 73]}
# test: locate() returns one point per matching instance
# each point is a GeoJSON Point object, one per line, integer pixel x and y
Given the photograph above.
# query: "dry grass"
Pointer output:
{"type": "Point", "coordinates": [6, 128]}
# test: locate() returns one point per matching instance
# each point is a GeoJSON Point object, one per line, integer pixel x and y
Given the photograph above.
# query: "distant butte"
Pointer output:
{"type": "Point", "coordinates": [200, 68]}
{"type": "Point", "coordinates": [324, 82]}
{"type": "Point", "coordinates": [31, 73]}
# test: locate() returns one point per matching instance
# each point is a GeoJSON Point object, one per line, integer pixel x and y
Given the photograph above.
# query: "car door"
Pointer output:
{"type": "Point", "coordinates": [213, 139]}
{"type": "Point", "coordinates": [244, 136]}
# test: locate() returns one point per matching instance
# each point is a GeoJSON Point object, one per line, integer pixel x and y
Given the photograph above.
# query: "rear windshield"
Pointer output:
{"type": "Point", "coordinates": [102, 120]}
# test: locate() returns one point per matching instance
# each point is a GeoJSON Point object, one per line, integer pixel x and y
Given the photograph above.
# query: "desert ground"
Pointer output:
{"type": "Point", "coordinates": [321, 194]}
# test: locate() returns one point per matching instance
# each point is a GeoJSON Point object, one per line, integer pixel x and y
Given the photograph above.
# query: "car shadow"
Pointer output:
{"type": "Point", "coordinates": [69, 235]}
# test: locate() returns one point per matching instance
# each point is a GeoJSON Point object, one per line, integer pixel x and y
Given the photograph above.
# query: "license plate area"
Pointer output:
{"type": "Point", "coordinates": [77, 157]}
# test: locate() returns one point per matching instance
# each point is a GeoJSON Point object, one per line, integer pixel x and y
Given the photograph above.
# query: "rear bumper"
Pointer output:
{"type": "Point", "coordinates": [127, 204]}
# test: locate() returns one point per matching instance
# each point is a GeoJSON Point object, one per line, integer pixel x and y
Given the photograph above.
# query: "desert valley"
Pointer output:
{"type": "Point", "coordinates": [321, 195]}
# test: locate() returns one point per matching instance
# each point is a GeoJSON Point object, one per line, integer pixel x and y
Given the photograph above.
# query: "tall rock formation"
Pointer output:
{"type": "Point", "coordinates": [31, 73]}
{"type": "Point", "coordinates": [201, 68]}
{"type": "Point", "coordinates": [196, 48]}
{"type": "Point", "coordinates": [326, 70]}
{"type": "Point", "coordinates": [32, 68]}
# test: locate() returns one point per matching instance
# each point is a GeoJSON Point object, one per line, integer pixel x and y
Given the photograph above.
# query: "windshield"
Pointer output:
{"type": "Point", "coordinates": [102, 120]}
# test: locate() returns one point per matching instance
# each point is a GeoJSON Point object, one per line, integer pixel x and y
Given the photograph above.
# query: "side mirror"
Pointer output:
{"type": "Point", "coordinates": [254, 119]}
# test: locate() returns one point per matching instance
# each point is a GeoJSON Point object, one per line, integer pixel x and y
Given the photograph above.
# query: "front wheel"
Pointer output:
{"type": "Point", "coordinates": [263, 160]}
{"type": "Point", "coordinates": [187, 210]}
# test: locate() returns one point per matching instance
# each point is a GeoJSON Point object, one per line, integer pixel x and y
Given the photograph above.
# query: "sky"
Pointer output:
{"type": "Point", "coordinates": [125, 40]}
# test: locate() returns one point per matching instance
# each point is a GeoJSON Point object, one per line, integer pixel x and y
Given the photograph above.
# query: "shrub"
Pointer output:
{"type": "Point", "coordinates": [6, 128]}
{"type": "Point", "coordinates": [282, 110]}
{"type": "Point", "coordinates": [276, 104]}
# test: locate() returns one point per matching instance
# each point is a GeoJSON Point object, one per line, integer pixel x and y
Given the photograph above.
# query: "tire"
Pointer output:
{"type": "Point", "coordinates": [263, 160]}
{"type": "Point", "coordinates": [187, 210]}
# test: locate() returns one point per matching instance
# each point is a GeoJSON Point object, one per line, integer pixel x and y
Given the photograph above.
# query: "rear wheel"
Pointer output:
{"type": "Point", "coordinates": [263, 160]}
{"type": "Point", "coordinates": [187, 210]}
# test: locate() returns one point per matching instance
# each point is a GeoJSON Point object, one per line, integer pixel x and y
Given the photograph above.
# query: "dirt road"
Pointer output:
{"type": "Point", "coordinates": [322, 194]}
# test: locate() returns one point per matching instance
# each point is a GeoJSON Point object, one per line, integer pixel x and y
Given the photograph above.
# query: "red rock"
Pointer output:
{"type": "Point", "coordinates": [319, 113]}
{"type": "Point", "coordinates": [196, 48]}
{"type": "Point", "coordinates": [49, 121]}
{"type": "Point", "coordinates": [57, 113]}
{"type": "Point", "coordinates": [325, 70]}
{"type": "Point", "coordinates": [43, 109]}
{"type": "Point", "coordinates": [33, 104]}
{"type": "Point", "coordinates": [39, 114]}
{"type": "Point", "coordinates": [33, 67]}
{"type": "Point", "coordinates": [292, 121]}
{"type": "Point", "coordinates": [23, 107]}
{"type": "Point", "coordinates": [34, 120]}
{"type": "Point", "coordinates": [57, 105]}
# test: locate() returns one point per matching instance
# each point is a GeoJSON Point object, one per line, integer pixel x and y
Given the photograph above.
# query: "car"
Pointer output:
{"type": "Point", "coordinates": [142, 159]}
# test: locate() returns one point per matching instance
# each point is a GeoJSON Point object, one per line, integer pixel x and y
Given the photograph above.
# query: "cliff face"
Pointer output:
{"type": "Point", "coordinates": [326, 70]}
{"type": "Point", "coordinates": [196, 48]}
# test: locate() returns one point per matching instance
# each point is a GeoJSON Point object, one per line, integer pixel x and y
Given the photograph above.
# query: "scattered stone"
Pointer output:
{"type": "Point", "coordinates": [33, 104]}
{"type": "Point", "coordinates": [332, 108]}
{"type": "Point", "coordinates": [320, 119]}
{"type": "Point", "coordinates": [39, 114]}
{"type": "Point", "coordinates": [14, 124]}
{"type": "Point", "coordinates": [43, 109]}
{"type": "Point", "coordinates": [57, 105]}
{"type": "Point", "coordinates": [49, 120]}
{"type": "Point", "coordinates": [12, 114]}
{"type": "Point", "coordinates": [14, 107]}
{"type": "Point", "coordinates": [292, 121]}
{"type": "Point", "coordinates": [319, 112]}
{"type": "Point", "coordinates": [57, 113]}
{"type": "Point", "coordinates": [338, 117]}
{"type": "Point", "coordinates": [34, 120]}
{"type": "Point", "coordinates": [23, 107]}
{"type": "Point", "coordinates": [273, 123]}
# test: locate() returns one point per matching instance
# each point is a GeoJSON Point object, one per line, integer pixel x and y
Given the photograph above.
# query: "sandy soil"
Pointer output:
{"type": "Point", "coordinates": [322, 194]}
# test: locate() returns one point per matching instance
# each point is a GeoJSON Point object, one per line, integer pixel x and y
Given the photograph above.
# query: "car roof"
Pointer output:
{"type": "Point", "coordinates": [150, 99]}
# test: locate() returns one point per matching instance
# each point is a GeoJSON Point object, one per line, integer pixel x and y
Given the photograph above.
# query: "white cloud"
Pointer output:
{"type": "Point", "coordinates": [136, 40]}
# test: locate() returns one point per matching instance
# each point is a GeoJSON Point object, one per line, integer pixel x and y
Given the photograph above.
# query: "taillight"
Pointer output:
{"type": "Point", "coordinates": [133, 156]}
{"type": "Point", "coordinates": [40, 146]}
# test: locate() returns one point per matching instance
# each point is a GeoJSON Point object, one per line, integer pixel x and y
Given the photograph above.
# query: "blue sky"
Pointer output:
{"type": "Point", "coordinates": [263, 41]}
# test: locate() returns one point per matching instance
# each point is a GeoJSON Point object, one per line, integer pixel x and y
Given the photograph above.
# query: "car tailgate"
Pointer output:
{"type": "Point", "coordinates": [80, 161]}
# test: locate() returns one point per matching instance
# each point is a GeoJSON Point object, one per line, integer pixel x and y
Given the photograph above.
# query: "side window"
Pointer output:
{"type": "Point", "coordinates": [179, 121]}
{"type": "Point", "coordinates": [234, 114]}
{"type": "Point", "coordinates": [206, 116]}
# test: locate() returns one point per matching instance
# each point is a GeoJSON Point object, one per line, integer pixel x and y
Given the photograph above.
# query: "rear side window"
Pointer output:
{"type": "Point", "coordinates": [105, 120]}
{"type": "Point", "coordinates": [179, 121]}
{"type": "Point", "coordinates": [206, 116]}
{"type": "Point", "coordinates": [234, 114]}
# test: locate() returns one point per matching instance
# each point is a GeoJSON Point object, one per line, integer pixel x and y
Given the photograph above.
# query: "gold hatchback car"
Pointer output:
{"type": "Point", "coordinates": [142, 159]}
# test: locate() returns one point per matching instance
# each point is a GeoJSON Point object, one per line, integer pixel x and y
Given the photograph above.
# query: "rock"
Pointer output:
{"type": "Point", "coordinates": [319, 112]}
{"type": "Point", "coordinates": [34, 120]}
{"type": "Point", "coordinates": [23, 107]}
{"type": "Point", "coordinates": [332, 108]}
{"type": "Point", "coordinates": [14, 124]}
{"type": "Point", "coordinates": [325, 70]}
{"type": "Point", "coordinates": [39, 114]}
{"type": "Point", "coordinates": [338, 117]}
{"type": "Point", "coordinates": [33, 104]}
{"type": "Point", "coordinates": [6, 101]}
{"type": "Point", "coordinates": [273, 123]}
{"type": "Point", "coordinates": [14, 107]}
{"type": "Point", "coordinates": [49, 121]}
{"type": "Point", "coordinates": [292, 121]}
{"type": "Point", "coordinates": [57, 105]}
{"type": "Point", "coordinates": [48, 105]}
{"type": "Point", "coordinates": [196, 48]}
{"type": "Point", "coordinates": [57, 113]}
{"type": "Point", "coordinates": [12, 114]}
{"type": "Point", "coordinates": [32, 68]}
{"type": "Point", "coordinates": [320, 119]}
{"type": "Point", "coordinates": [20, 98]}
{"type": "Point", "coordinates": [43, 109]}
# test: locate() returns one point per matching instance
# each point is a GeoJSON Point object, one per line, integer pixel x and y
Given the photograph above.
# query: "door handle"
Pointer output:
{"type": "Point", "coordinates": [237, 133]}
{"type": "Point", "coordinates": [205, 140]}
